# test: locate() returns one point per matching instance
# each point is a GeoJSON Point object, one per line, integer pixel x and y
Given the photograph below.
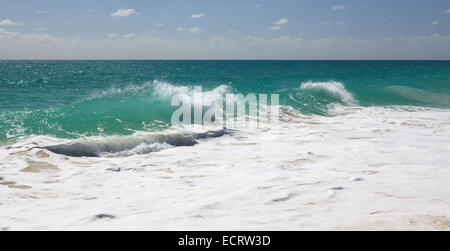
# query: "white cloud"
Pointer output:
{"type": "Point", "coordinates": [42, 12]}
{"type": "Point", "coordinates": [435, 23]}
{"type": "Point", "coordinates": [40, 29]}
{"type": "Point", "coordinates": [257, 5]}
{"type": "Point", "coordinates": [275, 28]}
{"type": "Point", "coordinates": [160, 24]}
{"type": "Point", "coordinates": [278, 24]}
{"type": "Point", "coordinates": [337, 7]}
{"type": "Point", "coordinates": [124, 13]}
{"type": "Point", "coordinates": [282, 21]}
{"type": "Point", "coordinates": [196, 16]}
{"type": "Point", "coordinates": [112, 35]}
{"type": "Point", "coordinates": [9, 22]}
{"type": "Point", "coordinates": [4, 34]}
{"type": "Point", "coordinates": [16, 45]}
{"type": "Point", "coordinates": [17, 37]}
{"type": "Point", "coordinates": [129, 35]}
{"type": "Point", "coordinates": [447, 11]}
{"type": "Point", "coordinates": [194, 30]}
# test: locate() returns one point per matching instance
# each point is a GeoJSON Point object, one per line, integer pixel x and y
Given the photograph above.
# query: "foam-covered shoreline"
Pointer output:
{"type": "Point", "coordinates": [363, 168]}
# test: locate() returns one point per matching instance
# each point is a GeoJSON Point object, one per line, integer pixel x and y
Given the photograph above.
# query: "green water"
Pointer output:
{"type": "Point", "coordinates": [69, 99]}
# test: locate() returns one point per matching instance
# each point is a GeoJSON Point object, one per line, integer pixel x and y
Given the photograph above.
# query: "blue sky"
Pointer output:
{"type": "Point", "coordinates": [228, 29]}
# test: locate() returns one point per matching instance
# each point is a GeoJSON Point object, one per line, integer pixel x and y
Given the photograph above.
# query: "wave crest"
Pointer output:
{"type": "Point", "coordinates": [166, 90]}
{"type": "Point", "coordinates": [159, 89]}
{"type": "Point", "coordinates": [336, 89]}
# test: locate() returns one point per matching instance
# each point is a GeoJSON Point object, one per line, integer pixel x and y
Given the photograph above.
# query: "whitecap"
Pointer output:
{"type": "Point", "coordinates": [333, 88]}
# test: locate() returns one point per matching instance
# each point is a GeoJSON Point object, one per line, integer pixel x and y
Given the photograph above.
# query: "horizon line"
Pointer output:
{"type": "Point", "coordinates": [181, 59]}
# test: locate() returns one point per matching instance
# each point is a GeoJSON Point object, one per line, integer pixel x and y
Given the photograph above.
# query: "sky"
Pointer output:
{"type": "Point", "coordinates": [225, 29]}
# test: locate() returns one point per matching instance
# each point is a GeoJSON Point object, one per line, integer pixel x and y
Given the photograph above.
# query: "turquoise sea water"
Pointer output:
{"type": "Point", "coordinates": [70, 99]}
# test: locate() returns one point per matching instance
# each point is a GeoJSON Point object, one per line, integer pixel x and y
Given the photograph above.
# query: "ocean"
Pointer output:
{"type": "Point", "coordinates": [72, 99]}
{"type": "Point", "coordinates": [82, 138]}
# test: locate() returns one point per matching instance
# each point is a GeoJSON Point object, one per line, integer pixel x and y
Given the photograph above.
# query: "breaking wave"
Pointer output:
{"type": "Point", "coordinates": [333, 88]}
{"type": "Point", "coordinates": [159, 89]}
{"type": "Point", "coordinates": [119, 110]}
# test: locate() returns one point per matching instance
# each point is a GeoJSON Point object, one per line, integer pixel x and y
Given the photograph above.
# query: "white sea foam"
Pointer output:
{"type": "Point", "coordinates": [118, 90]}
{"type": "Point", "coordinates": [143, 148]}
{"type": "Point", "coordinates": [333, 88]}
{"type": "Point", "coordinates": [160, 89]}
{"type": "Point", "coordinates": [365, 168]}
{"type": "Point", "coordinates": [167, 90]}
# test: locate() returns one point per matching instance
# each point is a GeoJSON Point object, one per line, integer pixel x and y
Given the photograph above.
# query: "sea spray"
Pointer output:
{"type": "Point", "coordinates": [333, 88]}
